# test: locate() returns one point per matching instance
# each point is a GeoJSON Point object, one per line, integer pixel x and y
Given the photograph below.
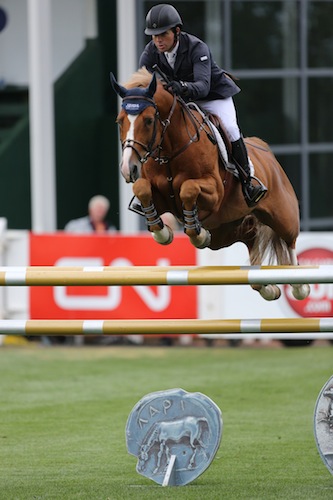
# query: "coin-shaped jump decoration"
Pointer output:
{"type": "Point", "coordinates": [323, 424]}
{"type": "Point", "coordinates": [174, 434]}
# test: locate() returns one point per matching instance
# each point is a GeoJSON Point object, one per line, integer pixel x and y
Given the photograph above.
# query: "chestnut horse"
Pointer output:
{"type": "Point", "coordinates": [170, 154]}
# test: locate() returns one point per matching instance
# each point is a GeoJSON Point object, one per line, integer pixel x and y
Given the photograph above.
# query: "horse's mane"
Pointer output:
{"type": "Point", "coordinates": [141, 78]}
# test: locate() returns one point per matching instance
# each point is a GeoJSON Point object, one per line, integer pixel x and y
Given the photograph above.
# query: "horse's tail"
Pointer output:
{"type": "Point", "coordinates": [266, 244]}
{"type": "Point", "coordinates": [203, 419]}
{"type": "Point", "coordinates": [202, 424]}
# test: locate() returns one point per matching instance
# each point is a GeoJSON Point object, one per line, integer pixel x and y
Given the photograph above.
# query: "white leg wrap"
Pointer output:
{"type": "Point", "coordinates": [202, 240]}
{"type": "Point", "coordinates": [164, 236]}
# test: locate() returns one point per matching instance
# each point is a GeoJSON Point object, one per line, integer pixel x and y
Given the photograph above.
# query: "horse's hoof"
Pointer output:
{"type": "Point", "coordinates": [269, 292]}
{"type": "Point", "coordinates": [301, 292]}
{"type": "Point", "coordinates": [203, 239]}
{"type": "Point", "coordinates": [164, 236]}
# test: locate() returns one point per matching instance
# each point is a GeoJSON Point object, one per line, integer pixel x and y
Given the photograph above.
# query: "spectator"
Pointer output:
{"type": "Point", "coordinates": [96, 221]}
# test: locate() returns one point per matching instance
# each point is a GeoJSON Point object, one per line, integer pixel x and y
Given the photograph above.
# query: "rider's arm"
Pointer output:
{"type": "Point", "coordinates": [200, 82]}
{"type": "Point", "coordinates": [148, 58]}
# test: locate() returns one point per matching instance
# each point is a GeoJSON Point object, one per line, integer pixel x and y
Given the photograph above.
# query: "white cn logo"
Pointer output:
{"type": "Point", "coordinates": [156, 301]}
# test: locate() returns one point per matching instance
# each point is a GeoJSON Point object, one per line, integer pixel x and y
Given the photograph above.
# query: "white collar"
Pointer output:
{"type": "Point", "coordinates": [171, 55]}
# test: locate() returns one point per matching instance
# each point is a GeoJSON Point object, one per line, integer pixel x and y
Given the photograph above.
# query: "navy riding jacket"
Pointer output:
{"type": "Point", "coordinates": [195, 66]}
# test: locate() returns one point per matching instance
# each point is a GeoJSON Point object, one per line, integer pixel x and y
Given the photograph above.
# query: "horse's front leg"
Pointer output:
{"type": "Point", "coordinates": [161, 232]}
{"type": "Point", "coordinates": [159, 456]}
{"type": "Point", "coordinates": [189, 193]}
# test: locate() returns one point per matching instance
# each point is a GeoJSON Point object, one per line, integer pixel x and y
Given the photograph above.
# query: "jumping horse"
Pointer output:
{"type": "Point", "coordinates": [170, 154]}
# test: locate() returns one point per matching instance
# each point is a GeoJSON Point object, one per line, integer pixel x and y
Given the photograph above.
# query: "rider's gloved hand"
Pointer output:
{"type": "Point", "coordinates": [178, 88]}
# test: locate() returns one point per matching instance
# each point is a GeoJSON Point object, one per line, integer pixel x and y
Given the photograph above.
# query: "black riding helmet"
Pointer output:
{"type": "Point", "coordinates": [162, 17]}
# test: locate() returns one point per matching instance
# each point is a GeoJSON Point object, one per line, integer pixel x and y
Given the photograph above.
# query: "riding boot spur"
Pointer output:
{"type": "Point", "coordinates": [252, 193]}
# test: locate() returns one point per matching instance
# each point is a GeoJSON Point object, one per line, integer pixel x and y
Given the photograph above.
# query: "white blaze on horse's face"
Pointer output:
{"type": "Point", "coordinates": [130, 165]}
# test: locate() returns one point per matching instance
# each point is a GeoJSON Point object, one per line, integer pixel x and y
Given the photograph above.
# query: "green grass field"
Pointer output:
{"type": "Point", "coordinates": [63, 413]}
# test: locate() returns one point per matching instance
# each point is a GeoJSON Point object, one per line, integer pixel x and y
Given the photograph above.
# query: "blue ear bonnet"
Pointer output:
{"type": "Point", "coordinates": [137, 101]}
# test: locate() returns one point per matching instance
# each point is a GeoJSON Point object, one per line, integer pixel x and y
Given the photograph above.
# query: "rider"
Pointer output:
{"type": "Point", "coordinates": [194, 75]}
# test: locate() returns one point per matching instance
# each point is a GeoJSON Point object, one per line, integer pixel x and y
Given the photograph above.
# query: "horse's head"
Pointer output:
{"type": "Point", "coordinates": [138, 124]}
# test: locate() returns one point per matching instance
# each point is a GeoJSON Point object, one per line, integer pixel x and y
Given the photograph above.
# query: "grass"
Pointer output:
{"type": "Point", "coordinates": [63, 412]}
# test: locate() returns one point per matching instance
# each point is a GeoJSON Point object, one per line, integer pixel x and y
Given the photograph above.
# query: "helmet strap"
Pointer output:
{"type": "Point", "coordinates": [176, 33]}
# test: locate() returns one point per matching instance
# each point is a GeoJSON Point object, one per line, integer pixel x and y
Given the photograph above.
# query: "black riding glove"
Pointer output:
{"type": "Point", "coordinates": [178, 88]}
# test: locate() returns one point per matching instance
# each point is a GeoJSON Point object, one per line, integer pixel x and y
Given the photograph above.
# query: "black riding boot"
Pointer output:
{"type": "Point", "coordinates": [252, 194]}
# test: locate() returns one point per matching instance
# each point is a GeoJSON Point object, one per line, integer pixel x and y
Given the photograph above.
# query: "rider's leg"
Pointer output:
{"type": "Point", "coordinates": [225, 109]}
{"type": "Point", "coordinates": [252, 193]}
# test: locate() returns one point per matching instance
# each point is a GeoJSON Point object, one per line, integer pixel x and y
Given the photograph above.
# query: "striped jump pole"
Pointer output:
{"type": "Point", "coordinates": [180, 326]}
{"type": "Point", "coordinates": [176, 275]}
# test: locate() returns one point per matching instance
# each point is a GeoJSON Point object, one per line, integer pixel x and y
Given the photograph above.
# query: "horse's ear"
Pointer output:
{"type": "Point", "coordinates": [119, 89]}
{"type": "Point", "coordinates": [152, 86]}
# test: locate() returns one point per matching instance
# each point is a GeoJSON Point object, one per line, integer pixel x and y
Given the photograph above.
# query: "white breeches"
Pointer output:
{"type": "Point", "coordinates": [225, 109]}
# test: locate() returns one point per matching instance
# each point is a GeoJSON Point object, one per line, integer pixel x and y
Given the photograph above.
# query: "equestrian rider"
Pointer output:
{"type": "Point", "coordinates": [194, 75]}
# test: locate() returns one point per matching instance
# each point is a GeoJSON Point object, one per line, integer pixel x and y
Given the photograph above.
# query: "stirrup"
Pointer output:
{"type": "Point", "coordinates": [257, 192]}
{"type": "Point", "coordinates": [135, 206]}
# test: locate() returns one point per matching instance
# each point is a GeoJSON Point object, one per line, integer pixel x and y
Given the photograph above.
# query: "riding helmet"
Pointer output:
{"type": "Point", "coordinates": [161, 18]}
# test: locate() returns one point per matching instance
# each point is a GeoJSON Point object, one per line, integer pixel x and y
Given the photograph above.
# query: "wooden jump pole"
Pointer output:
{"type": "Point", "coordinates": [179, 326]}
{"type": "Point", "coordinates": [173, 275]}
{"type": "Point", "coordinates": [176, 275]}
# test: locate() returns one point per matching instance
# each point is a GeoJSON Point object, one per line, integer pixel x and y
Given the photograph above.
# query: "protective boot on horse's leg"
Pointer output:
{"type": "Point", "coordinates": [161, 233]}
{"type": "Point", "coordinates": [252, 193]}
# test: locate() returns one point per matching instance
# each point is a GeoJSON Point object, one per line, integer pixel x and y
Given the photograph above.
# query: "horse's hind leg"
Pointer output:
{"type": "Point", "coordinates": [161, 232]}
{"type": "Point", "coordinates": [285, 255]}
{"type": "Point", "coordinates": [257, 238]}
{"type": "Point", "coordinates": [192, 458]}
{"type": "Point", "coordinates": [302, 290]}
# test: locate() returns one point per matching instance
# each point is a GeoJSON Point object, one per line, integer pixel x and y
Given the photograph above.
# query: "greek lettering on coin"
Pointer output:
{"type": "Point", "coordinates": [174, 422]}
{"type": "Point", "coordinates": [323, 424]}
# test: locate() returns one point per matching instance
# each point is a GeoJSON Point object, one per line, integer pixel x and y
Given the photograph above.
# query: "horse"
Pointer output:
{"type": "Point", "coordinates": [172, 432]}
{"type": "Point", "coordinates": [170, 154]}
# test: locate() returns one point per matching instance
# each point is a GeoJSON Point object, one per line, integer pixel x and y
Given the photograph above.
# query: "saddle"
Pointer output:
{"type": "Point", "coordinates": [219, 137]}
{"type": "Point", "coordinates": [215, 120]}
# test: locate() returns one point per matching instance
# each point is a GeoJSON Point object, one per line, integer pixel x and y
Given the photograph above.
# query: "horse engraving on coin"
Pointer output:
{"type": "Point", "coordinates": [174, 423]}
{"type": "Point", "coordinates": [171, 433]}
{"type": "Point", "coordinates": [323, 424]}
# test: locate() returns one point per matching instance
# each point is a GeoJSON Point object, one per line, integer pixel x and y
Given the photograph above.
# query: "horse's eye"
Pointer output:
{"type": "Point", "coordinates": [149, 122]}
{"type": "Point", "coordinates": [120, 122]}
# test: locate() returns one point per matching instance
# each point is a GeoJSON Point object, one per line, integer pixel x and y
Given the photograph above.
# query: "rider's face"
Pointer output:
{"type": "Point", "coordinates": [165, 41]}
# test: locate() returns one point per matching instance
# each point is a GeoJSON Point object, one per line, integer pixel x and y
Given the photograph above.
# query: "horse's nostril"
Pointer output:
{"type": "Point", "coordinates": [134, 173]}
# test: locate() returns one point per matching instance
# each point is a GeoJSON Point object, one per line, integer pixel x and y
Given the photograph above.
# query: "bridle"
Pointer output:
{"type": "Point", "coordinates": [132, 143]}
{"type": "Point", "coordinates": [152, 150]}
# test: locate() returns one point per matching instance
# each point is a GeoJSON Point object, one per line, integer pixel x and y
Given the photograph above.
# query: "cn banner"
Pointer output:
{"type": "Point", "coordinates": [111, 302]}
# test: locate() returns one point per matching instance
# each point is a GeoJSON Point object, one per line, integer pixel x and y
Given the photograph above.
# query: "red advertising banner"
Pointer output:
{"type": "Point", "coordinates": [106, 302]}
{"type": "Point", "coordinates": [320, 301]}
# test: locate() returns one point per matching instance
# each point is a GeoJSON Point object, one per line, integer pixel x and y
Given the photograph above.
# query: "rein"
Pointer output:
{"type": "Point", "coordinates": [194, 138]}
